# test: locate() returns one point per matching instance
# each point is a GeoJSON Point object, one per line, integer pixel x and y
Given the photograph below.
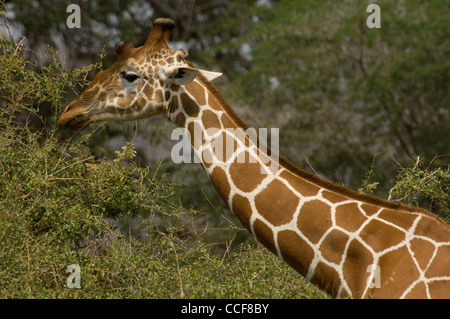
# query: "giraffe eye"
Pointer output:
{"type": "Point", "coordinates": [130, 77]}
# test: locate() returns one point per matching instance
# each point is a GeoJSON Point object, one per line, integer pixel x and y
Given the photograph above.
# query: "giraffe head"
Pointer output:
{"type": "Point", "coordinates": [137, 85]}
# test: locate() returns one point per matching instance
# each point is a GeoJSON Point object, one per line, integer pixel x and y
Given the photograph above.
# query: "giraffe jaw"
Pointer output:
{"type": "Point", "coordinates": [78, 118]}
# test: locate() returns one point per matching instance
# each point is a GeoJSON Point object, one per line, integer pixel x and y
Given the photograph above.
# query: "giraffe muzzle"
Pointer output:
{"type": "Point", "coordinates": [74, 118]}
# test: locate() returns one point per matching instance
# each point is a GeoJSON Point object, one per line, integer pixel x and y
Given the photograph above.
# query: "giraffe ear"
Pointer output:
{"type": "Point", "coordinates": [209, 75]}
{"type": "Point", "coordinates": [179, 75]}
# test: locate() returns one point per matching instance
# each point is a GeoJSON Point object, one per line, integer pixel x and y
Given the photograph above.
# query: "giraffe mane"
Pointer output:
{"type": "Point", "coordinates": [284, 162]}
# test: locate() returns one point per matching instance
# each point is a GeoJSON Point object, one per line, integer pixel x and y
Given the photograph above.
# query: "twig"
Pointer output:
{"type": "Point", "coordinates": [70, 165]}
{"type": "Point", "coordinates": [309, 164]}
{"type": "Point", "coordinates": [178, 269]}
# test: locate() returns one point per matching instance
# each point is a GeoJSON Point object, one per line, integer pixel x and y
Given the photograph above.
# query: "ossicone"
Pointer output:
{"type": "Point", "coordinates": [160, 33]}
{"type": "Point", "coordinates": [123, 46]}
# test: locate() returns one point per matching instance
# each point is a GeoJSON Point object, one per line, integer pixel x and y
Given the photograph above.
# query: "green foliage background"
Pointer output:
{"type": "Point", "coordinates": [363, 107]}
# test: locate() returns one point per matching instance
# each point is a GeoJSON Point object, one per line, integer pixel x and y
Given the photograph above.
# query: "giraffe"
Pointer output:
{"type": "Point", "coordinates": [347, 243]}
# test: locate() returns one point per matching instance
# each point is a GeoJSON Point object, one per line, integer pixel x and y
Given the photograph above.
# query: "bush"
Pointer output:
{"type": "Point", "coordinates": [419, 185]}
{"type": "Point", "coordinates": [61, 205]}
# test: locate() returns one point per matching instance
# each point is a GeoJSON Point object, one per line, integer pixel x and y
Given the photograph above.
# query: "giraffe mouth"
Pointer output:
{"type": "Point", "coordinates": [73, 118]}
{"type": "Point", "coordinates": [77, 124]}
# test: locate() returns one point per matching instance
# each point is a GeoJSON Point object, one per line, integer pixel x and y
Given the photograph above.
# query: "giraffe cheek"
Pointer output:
{"type": "Point", "coordinates": [140, 103]}
{"type": "Point", "coordinates": [125, 101]}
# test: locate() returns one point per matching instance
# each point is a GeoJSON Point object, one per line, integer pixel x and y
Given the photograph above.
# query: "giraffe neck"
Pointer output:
{"type": "Point", "coordinates": [346, 243]}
